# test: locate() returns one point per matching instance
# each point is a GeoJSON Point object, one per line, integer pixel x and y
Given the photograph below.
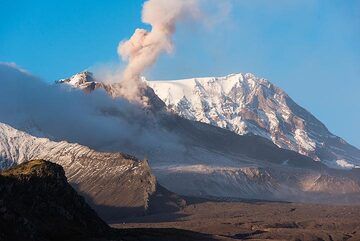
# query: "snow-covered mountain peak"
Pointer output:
{"type": "Point", "coordinates": [78, 79]}
{"type": "Point", "coordinates": [210, 86]}
{"type": "Point", "coordinates": [83, 80]}
{"type": "Point", "coordinates": [246, 104]}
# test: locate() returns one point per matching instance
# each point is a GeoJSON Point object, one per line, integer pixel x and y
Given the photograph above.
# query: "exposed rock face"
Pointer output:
{"type": "Point", "coordinates": [37, 203]}
{"type": "Point", "coordinates": [115, 184]}
{"type": "Point", "coordinates": [246, 104]}
{"type": "Point", "coordinates": [84, 80]}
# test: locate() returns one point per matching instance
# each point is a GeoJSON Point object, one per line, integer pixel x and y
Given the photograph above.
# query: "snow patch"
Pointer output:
{"type": "Point", "coordinates": [344, 164]}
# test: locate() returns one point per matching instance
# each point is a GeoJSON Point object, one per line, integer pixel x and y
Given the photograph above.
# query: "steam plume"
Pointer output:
{"type": "Point", "coordinates": [144, 47]}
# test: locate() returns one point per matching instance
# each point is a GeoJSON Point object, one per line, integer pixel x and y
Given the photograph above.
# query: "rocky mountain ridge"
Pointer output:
{"type": "Point", "coordinates": [114, 184]}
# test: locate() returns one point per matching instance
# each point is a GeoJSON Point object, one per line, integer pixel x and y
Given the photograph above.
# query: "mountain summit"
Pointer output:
{"type": "Point", "coordinates": [246, 104]}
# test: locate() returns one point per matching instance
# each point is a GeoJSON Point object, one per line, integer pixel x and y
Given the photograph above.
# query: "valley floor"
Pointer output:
{"type": "Point", "coordinates": [255, 220]}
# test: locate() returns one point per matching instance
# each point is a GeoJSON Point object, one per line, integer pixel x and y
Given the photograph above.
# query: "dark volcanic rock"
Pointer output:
{"type": "Point", "coordinates": [37, 203]}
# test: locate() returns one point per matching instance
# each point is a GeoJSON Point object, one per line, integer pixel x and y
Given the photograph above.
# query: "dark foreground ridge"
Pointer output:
{"type": "Point", "coordinates": [37, 203]}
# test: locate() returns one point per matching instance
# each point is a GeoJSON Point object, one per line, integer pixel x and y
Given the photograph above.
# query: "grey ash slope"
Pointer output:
{"type": "Point", "coordinates": [229, 165]}
{"type": "Point", "coordinates": [115, 184]}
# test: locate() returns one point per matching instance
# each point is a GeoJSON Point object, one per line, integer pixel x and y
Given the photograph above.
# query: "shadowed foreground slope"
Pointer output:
{"type": "Point", "coordinates": [37, 203]}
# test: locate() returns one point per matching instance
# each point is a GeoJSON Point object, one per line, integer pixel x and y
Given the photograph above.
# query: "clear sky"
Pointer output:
{"type": "Point", "coordinates": [309, 48]}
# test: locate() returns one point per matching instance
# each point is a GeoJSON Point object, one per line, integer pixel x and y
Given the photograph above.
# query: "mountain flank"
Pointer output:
{"type": "Point", "coordinates": [114, 184]}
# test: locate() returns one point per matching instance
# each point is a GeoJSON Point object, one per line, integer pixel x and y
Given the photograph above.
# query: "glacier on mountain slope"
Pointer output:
{"type": "Point", "coordinates": [246, 104]}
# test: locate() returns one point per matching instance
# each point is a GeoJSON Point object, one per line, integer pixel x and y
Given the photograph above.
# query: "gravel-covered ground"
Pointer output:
{"type": "Point", "coordinates": [259, 221]}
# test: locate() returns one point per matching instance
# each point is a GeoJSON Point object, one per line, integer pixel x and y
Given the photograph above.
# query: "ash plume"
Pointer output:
{"type": "Point", "coordinates": [144, 47]}
{"type": "Point", "coordinates": [59, 113]}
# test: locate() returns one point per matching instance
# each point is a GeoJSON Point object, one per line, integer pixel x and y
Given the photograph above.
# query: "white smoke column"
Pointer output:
{"type": "Point", "coordinates": [144, 47]}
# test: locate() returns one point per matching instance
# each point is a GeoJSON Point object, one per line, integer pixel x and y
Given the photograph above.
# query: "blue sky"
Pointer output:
{"type": "Point", "coordinates": [309, 48]}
